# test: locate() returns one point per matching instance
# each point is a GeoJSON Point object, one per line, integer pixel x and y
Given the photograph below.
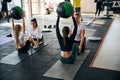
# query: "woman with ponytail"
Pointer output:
{"type": "Point", "coordinates": [22, 46]}
{"type": "Point", "coordinates": [68, 48]}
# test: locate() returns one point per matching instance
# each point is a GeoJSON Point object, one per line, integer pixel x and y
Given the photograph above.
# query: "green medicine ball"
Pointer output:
{"type": "Point", "coordinates": [65, 9]}
{"type": "Point", "coordinates": [16, 12]}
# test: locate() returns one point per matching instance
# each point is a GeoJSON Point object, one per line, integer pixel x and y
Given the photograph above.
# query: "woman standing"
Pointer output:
{"type": "Point", "coordinates": [98, 7]}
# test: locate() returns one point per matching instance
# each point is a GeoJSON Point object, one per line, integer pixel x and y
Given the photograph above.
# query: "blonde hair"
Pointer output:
{"type": "Point", "coordinates": [16, 33]}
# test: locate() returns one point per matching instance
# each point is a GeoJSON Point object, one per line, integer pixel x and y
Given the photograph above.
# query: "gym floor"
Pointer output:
{"type": "Point", "coordinates": [34, 66]}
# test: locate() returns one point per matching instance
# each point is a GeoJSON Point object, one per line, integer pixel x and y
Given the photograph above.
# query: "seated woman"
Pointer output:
{"type": "Point", "coordinates": [67, 46]}
{"type": "Point", "coordinates": [35, 35]}
{"type": "Point", "coordinates": [80, 38]}
{"type": "Point", "coordinates": [22, 46]}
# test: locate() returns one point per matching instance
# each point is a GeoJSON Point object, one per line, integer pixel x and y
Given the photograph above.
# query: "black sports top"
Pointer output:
{"type": "Point", "coordinates": [69, 40]}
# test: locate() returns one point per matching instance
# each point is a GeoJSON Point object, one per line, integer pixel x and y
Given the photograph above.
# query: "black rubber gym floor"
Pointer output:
{"type": "Point", "coordinates": [34, 67]}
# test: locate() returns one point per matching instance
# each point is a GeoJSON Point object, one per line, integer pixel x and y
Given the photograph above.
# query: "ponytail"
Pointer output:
{"type": "Point", "coordinates": [65, 32]}
{"type": "Point", "coordinates": [64, 38]}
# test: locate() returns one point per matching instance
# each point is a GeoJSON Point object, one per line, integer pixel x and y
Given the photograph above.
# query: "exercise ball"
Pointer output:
{"type": "Point", "coordinates": [65, 9]}
{"type": "Point", "coordinates": [16, 12]}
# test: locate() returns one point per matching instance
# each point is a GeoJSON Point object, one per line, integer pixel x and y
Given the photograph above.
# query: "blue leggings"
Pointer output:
{"type": "Point", "coordinates": [72, 58]}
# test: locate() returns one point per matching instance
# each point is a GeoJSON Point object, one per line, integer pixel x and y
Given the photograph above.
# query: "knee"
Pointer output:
{"type": "Point", "coordinates": [29, 38]}
{"type": "Point", "coordinates": [75, 45]}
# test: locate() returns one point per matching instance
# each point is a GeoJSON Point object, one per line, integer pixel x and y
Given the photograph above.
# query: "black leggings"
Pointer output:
{"type": "Point", "coordinates": [83, 46]}
{"type": "Point", "coordinates": [72, 58]}
{"type": "Point", "coordinates": [98, 10]}
{"type": "Point", "coordinates": [77, 9]}
{"type": "Point", "coordinates": [25, 48]}
{"type": "Point", "coordinates": [40, 39]}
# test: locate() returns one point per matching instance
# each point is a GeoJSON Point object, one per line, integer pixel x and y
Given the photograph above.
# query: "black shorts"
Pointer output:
{"type": "Point", "coordinates": [40, 39]}
{"type": "Point", "coordinates": [25, 48]}
{"type": "Point", "coordinates": [78, 42]}
{"type": "Point", "coordinates": [77, 9]}
{"type": "Point", "coordinates": [4, 7]}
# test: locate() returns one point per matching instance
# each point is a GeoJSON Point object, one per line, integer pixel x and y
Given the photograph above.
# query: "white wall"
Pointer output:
{"type": "Point", "coordinates": [88, 6]}
{"type": "Point", "coordinates": [14, 3]}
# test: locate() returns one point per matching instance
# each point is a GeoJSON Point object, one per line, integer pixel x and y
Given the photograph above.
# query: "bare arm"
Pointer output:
{"type": "Point", "coordinates": [82, 39]}
{"type": "Point", "coordinates": [14, 33]}
{"type": "Point", "coordinates": [13, 26]}
{"type": "Point", "coordinates": [83, 32]}
{"type": "Point", "coordinates": [23, 22]}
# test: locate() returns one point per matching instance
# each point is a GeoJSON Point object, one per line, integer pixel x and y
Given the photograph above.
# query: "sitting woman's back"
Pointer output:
{"type": "Point", "coordinates": [66, 43]}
